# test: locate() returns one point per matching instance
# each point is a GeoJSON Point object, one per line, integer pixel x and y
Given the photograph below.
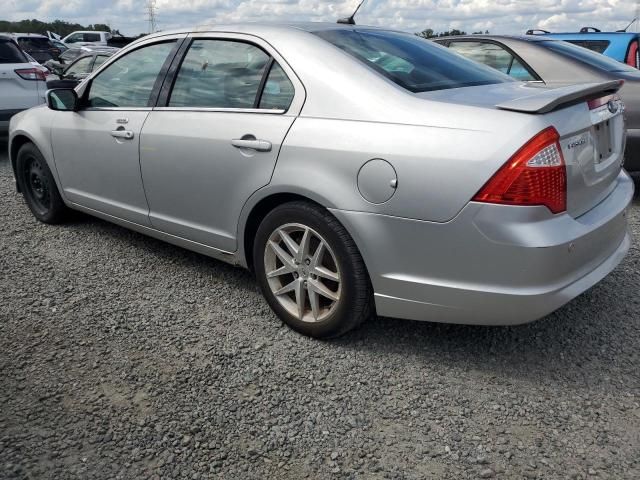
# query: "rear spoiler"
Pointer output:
{"type": "Point", "coordinates": [548, 100]}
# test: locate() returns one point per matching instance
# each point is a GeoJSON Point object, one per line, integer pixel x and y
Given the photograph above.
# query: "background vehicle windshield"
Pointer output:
{"type": "Point", "coordinates": [412, 62]}
{"type": "Point", "coordinates": [10, 53]}
{"type": "Point", "coordinates": [587, 56]}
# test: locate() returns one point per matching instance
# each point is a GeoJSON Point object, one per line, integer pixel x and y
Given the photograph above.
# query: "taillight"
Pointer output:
{"type": "Point", "coordinates": [633, 57]}
{"type": "Point", "coordinates": [30, 74]}
{"type": "Point", "coordinates": [535, 175]}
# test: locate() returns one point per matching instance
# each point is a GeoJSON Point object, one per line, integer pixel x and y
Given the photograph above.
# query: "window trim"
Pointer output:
{"type": "Point", "coordinates": [155, 90]}
{"type": "Point", "coordinates": [527, 67]}
{"type": "Point", "coordinates": [167, 88]}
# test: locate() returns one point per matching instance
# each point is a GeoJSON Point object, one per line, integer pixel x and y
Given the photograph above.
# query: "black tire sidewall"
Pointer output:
{"type": "Point", "coordinates": [57, 209]}
{"type": "Point", "coordinates": [315, 218]}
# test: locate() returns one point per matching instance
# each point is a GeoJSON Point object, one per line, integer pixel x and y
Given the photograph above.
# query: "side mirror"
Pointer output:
{"type": "Point", "coordinates": [62, 99]}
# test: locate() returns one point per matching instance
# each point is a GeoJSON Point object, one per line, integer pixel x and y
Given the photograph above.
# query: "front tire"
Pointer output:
{"type": "Point", "coordinates": [311, 272]}
{"type": "Point", "coordinates": [38, 186]}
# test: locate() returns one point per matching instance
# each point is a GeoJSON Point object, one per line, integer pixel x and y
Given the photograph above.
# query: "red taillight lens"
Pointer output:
{"type": "Point", "coordinates": [633, 57]}
{"type": "Point", "coordinates": [31, 74]}
{"type": "Point", "coordinates": [535, 175]}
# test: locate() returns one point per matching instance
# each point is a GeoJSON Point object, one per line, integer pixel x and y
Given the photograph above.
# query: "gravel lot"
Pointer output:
{"type": "Point", "coordinates": [124, 357]}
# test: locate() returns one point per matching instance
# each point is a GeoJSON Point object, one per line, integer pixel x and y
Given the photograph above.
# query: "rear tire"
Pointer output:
{"type": "Point", "coordinates": [38, 186]}
{"type": "Point", "coordinates": [311, 272]}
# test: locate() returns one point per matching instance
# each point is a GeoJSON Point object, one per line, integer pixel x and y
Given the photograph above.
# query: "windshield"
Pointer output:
{"type": "Point", "coordinates": [587, 56]}
{"type": "Point", "coordinates": [415, 64]}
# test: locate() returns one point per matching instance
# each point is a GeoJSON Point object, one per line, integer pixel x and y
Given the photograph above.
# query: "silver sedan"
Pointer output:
{"type": "Point", "coordinates": [354, 170]}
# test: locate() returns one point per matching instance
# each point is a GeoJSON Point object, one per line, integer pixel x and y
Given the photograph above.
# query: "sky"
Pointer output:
{"type": "Point", "coordinates": [497, 16]}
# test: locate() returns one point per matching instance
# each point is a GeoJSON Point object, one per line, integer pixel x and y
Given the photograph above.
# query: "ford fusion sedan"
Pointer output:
{"type": "Point", "coordinates": [354, 170]}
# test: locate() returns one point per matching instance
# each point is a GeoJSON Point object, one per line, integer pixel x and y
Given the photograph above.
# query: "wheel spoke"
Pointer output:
{"type": "Point", "coordinates": [326, 273]}
{"type": "Point", "coordinates": [289, 242]}
{"type": "Point", "coordinates": [317, 257]}
{"type": "Point", "coordinates": [314, 301]}
{"type": "Point", "coordinates": [300, 298]}
{"type": "Point", "coordinates": [290, 287]}
{"type": "Point", "coordinates": [284, 257]}
{"type": "Point", "coordinates": [280, 271]}
{"type": "Point", "coordinates": [303, 251]}
{"type": "Point", "coordinates": [320, 288]}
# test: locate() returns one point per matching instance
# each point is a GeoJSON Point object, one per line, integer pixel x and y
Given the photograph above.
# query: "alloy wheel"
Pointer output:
{"type": "Point", "coordinates": [302, 272]}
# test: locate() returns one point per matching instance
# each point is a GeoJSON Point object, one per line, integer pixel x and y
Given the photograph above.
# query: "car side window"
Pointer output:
{"type": "Point", "coordinates": [91, 37]}
{"type": "Point", "coordinates": [77, 37]}
{"type": "Point", "coordinates": [219, 74]}
{"type": "Point", "coordinates": [79, 67]}
{"type": "Point", "coordinates": [493, 56]}
{"type": "Point", "coordinates": [129, 81]}
{"type": "Point", "coordinates": [278, 90]}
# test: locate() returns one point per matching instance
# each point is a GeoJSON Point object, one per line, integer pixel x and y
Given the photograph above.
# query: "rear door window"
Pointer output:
{"type": "Point", "coordinates": [91, 37]}
{"type": "Point", "coordinates": [278, 90]}
{"type": "Point", "coordinates": [411, 62]}
{"type": "Point", "coordinates": [494, 56]}
{"type": "Point", "coordinates": [10, 53]}
{"type": "Point", "coordinates": [220, 74]}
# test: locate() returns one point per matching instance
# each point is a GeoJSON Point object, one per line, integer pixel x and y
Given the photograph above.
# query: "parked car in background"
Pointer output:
{"type": "Point", "coordinates": [556, 63]}
{"type": "Point", "coordinates": [88, 37]}
{"type": "Point", "coordinates": [353, 169]}
{"type": "Point", "coordinates": [22, 84]}
{"type": "Point", "coordinates": [37, 65]}
{"type": "Point", "coordinates": [38, 46]}
{"type": "Point", "coordinates": [621, 46]}
{"type": "Point", "coordinates": [70, 75]}
{"type": "Point", "coordinates": [60, 45]}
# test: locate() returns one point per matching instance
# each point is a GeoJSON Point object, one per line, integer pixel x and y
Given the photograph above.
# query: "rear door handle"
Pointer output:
{"type": "Point", "coordinates": [126, 134]}
{"type": "Point", "coordinates": [257, 145]}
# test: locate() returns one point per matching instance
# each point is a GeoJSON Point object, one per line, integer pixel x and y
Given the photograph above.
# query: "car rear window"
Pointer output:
{"type": "Point", "coordinates": [413, 63]}
{"type": "Point", "coordinates": [10, 53]}
{"type": "Point", "coordinates": [587, 56]}
{"type": "Point", "coordinates": [598, 46]}
{"type": "Point", "coordinates": [29, 43]}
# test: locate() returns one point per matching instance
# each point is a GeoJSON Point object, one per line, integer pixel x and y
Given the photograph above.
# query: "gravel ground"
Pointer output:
{"type": "Point", "coordinates": [124, 357]}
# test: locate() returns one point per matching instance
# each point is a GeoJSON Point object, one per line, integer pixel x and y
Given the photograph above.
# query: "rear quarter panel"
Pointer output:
{"type": "Point", "coordinates": [439, 169]}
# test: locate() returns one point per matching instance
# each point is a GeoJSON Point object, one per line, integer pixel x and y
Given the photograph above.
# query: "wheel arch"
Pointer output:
{"type": "Point", "coordinates": [16, 143]}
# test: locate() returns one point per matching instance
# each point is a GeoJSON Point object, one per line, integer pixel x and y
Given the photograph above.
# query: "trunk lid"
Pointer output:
{"type": "Point", "coordinates": [593, 153]}
{"type": "Point", "coordinates": [592, 139]}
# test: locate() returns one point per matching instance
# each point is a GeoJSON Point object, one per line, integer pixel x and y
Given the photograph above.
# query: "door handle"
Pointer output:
{"type": "Point", "coordinates": [253, 144]}
{"type": "Point", "coordinates": [126, 134]}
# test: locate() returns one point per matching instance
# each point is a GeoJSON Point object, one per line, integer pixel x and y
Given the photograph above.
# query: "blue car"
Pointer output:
{"type": "Point", "coordinates": [622, 46]}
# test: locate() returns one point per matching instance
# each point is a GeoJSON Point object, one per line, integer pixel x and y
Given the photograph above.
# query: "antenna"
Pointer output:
{"type": "Point", "coordinates": [151, 12]}
{"type": "Point", "coordinates": [627, 27]}
{"type": "Point", "coordinates": [351, 20]}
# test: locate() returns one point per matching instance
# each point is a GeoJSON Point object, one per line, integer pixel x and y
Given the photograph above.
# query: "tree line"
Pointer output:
{"type": "Point", "coordinates": [429, 33]}
{"type": "Point", "coordinates": [60, 27]}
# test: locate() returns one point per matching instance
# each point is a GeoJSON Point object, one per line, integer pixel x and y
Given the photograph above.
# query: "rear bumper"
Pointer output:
{"type": "Point", "coordinates": [632, 152]}
{"type": "Point", "coordinates": [492, 264]}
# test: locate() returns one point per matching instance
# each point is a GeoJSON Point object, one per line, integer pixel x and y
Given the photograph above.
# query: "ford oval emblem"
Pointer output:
{"type": "Point", "coordinates": [612, 106]}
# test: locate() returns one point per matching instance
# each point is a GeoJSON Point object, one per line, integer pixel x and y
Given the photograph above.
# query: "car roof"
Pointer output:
{"type": "Point", "coordinates": [521, 38]}
{"type": "Point", "coordinates": [23, 35]}
{"type": "Point", "coordinates": [264, 27]}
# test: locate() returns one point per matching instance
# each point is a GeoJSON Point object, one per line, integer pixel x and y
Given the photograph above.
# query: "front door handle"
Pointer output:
{"type": "Point", "coordinates": [253, 144]}
{"type": "Point", "coordinates": [126, 134]}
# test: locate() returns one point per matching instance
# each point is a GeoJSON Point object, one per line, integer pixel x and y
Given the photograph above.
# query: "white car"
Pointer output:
{"type": "Point", "coordinates": [22, 84]}
{"type": "Point", "coordinates": [89, 37]}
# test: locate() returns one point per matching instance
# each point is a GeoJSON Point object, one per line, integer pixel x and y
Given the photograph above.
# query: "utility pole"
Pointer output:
{"type": "Point", "coordinates": [151, 15]}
